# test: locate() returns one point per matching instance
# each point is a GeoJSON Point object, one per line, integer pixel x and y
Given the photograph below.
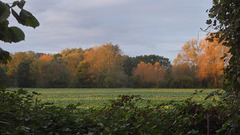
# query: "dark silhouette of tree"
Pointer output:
{"type": "Point", "coordinates": [225, 19]}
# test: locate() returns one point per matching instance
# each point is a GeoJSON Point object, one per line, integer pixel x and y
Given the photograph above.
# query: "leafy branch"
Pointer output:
{"type": "Point", "coordinates": [12, 33]}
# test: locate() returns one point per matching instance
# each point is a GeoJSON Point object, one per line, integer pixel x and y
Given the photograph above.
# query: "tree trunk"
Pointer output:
{"type": "Point", "coordinates": [215, 81]}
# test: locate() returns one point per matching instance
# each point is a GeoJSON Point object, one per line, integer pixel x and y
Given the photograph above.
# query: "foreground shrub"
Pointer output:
{"type": "Point", "coordinates": [22, 113]}
{"type": "Point", "coordinates": [185, 82]}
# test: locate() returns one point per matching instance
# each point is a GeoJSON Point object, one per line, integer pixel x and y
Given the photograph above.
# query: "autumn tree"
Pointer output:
{"type": "Point", "coordinates": [210, 62]}
{"type": "Point", "coordinates": [106, 63]}
{"type": "Point", "coordinates": [186, 64]}
{"type": "Point", "coordinates": [131, 62]}
{"type": "Point", "coordinates": [46, 58]}
{"type": "Point", "coordinates": [149, 74]}
{"type": "Point", "coordinates": [72, 57]}
{"type": "Point", "coordinates": [203, 60]}
{"type": "Point", "coordinates": [17, 58]}
{"type": "Point", "coordinates": [189, 53]}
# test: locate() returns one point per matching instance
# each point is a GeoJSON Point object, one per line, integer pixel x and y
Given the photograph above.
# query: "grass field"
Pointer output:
{"type": "Point", "coordinates": [99, 97]}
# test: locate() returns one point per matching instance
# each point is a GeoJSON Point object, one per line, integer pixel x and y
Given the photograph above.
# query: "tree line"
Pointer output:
{"type": "Point", "coordinates": [198, 65]}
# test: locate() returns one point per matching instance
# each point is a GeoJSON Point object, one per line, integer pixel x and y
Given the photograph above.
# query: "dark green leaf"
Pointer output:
{"type": "Point", "coordinates": [6, 123]}
{"type": "Point", "coordinates": [209, 21]}
{"type": "Point", "coordinates": [4, 11]}
{"type": "Point", "coordinates": [3, 29]}
{"type": "Point", "coordinates": [15, 3]}
{"type": "Point", "coordinates": [27, 19]}
{"type": "Point", "coordinates": [215, 23]}
{"type": "Point", "coordinates": [11, 34]}
{"type": "Point", "coordinates": [193, 131]}
{"type": "Point", "coordinates": [21, 4]}
{"type": "Point", "coordinates": [15, 14]}
{"type": "Point", "coordinates": [4, 56]}
{"type": "Point", "coordinates": [211, 94]}
{"type": "Point", "coordinates": [16, 34]}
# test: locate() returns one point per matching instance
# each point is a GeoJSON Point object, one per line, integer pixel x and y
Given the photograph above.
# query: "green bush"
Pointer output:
{"type": "Point", "coordinates": [162, 84]}
{"type": "Point", "coordinates": [22, 113]}
{"type": "Point", "coordinates": [185, 82]}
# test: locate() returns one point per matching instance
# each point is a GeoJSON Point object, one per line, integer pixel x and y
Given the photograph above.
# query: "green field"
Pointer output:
{"type": "Point", "coordinates": [99, 97]}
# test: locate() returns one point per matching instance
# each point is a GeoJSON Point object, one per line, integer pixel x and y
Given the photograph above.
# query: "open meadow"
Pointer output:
{"type": "Point", "coordinates": [100, 96]}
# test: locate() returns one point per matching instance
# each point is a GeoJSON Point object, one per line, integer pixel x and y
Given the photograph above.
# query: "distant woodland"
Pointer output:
{"type": "Point", "coordinates": [198, 65]}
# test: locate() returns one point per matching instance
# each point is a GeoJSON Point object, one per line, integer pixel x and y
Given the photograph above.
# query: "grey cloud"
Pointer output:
{"type": "Point", "coordinates": [138, 26]}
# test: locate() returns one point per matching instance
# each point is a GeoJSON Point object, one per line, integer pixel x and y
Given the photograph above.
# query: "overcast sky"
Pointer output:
{"type": "Point", "coordinates": [139, 27]}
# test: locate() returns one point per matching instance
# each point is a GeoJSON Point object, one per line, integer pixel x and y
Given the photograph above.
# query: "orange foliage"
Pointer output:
{"type": "Point", "coordinates": [106, 64]}
{"type": "Point", "coordinates": [17, 58]}
{"type": "Point", "coordinates": [46, 58]}
{"type": "Point", "coordinates": [189, 54]}
{"type": "Point", "coordinates": [149, 73]}
{"type": "Point", "coordinates": [73, 60]}
{"type": "Point", "coordinates": [72, 57]}
{"type": "Point", "coordinates": [204, 58]}
{"type": "Point", "coordinates": [104, 58]}
{"type": "Point", "coordinates": [210, 62]}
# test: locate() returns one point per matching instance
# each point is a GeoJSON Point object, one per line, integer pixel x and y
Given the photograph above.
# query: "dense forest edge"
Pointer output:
{"type": "Point", "coordinates": [198, 65]}
{"type": "Point", "coordinates": [22, 113]}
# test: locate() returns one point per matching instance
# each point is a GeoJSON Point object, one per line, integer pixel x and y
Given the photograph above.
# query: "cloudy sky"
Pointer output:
{"type": "Point", "coordinates": [139, 27]}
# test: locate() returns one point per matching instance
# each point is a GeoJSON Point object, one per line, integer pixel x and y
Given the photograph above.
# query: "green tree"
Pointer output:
{"type": "Point", "coordinates": [115, 78]}
{"type": "Point", "coordinates": [12, 33]}
{"type": "Point", "coordinates": [38, 72]}
{"type": "Point", "coordinates": [17, 58]}
{"type": "Point", "coordinates": [54, 73]}
{"type": "Point", "coordinates": [129, 64]}
{"type": "Point", "coordinates": [3, 76]}
{"type": "Point", "coordinates": [59, 75]}
{"type": "Point", "coordinates": [155, 58]}
{"type": "Point", "coordinates": [82, 78]}
{"type": "Point", "coordinates": [23, 74]}
{"type": "Point", "coordinates": [225, 19]}
{"type": "Point", "coordinates": [183, 76]}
